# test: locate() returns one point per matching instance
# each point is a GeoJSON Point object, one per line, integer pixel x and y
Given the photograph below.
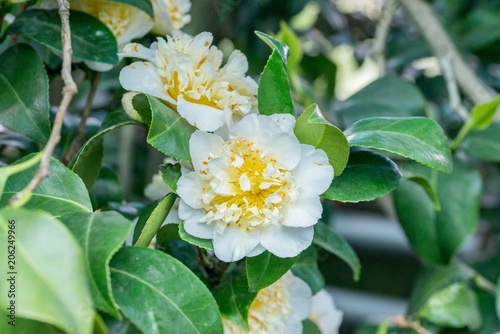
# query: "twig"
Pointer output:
{"type": "Point", "coordinates": [452, 87]}
{"type": "Point", "coordinates": [485, 284]}
{"type": "Point", "coordinates": [442, 47]}
{"type": "Point", "coordinates": [406, 322]}
{"type": "Point", "coordinates": [69, 90]}
{"type": "Point", "coordinates": [381, 34]}
{"type": "Point", "coordinates": [79, 139]}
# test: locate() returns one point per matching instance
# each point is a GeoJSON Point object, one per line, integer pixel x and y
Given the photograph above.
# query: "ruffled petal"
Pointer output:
{"type": "Point", "coordinates": [300, 298]}
{"type": "Point", "coordinates": [235, 243]}
{"type": "Point", "coordinates": [203, 147]}
{"type": "Point", "coordinates": [305, 211]}
{"type": "Point", "coordinates": [314, 171]}
{"type": "Point", "coordinates": [284, 241]}
{"type": "Point", "coordinates": [137, 50]}
{"type": "Point", "coordinates": [200, 116]}
{"type": "Point", "coordinates": [143, 77]}
{"type": "Point", "coordinates": [192, 225]}
{"type": "Point", "coordinates": [189, 188]}
{"type": "Point", "coordinates": [285, 148]}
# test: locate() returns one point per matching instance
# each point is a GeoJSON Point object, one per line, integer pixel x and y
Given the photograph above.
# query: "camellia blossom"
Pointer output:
{"type": "Point", "coordinates": [186, 73]}
{"type": "Point", "coordinates": [279, 308]}
{"type": "Point", "coordinates": [324, 313]}
{"type": "Point", "coordinates": [258, 189]}
{"type": "Point", "coordinates": [177, 12]}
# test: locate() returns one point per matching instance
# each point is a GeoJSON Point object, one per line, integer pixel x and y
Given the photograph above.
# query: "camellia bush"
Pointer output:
{"type": "Point", "coordinates": [226, 238]}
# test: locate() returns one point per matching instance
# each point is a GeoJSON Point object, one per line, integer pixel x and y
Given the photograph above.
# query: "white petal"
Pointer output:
{"type": "Point", "coordinates": [235, 243]}
{"type": "Point", "coordinates": [294, 326]}
{"type": "Point", "coordinates": [327, 316]}
{"type": "Point", "coordinates": [259, 249]}
{"type": "Point", "coordinates": [98, 66]}
{"type": "Point", "coordinates": [286, 122]}
{"type": "Point", "coordinates": [199, 45]}
{"type": "Point", "coordinates": [143, 77]}
{"type": "Point", "coordinates": [201, 116]}
{"type": "Point", "coordinates": [285, 241]}
{"type": "Point", "coordinates": [244, 182]}
{"type": "Point", "coordinates": [304, 211]}
{"type": "Point", "coordinates": [203, 146]}
{"type": "Point", "coordinates": [314, 171]}
{"type": "Point", "coordinates": [129, 107]}
{"type": "Point", "coordinates": [191, 219]}
{"type": "Point", "coordinates": [285, 148]}
{"type": "Point", "coordinates": [300, 298]}
{"type": "Point", "coordinates": [189, 188]}
{"type": "Point", "coordinates": [140, 24]}
{"type": "Point", "coordinates": [137, 50]}
{"type": "Point", "coordinates": [162, 24]}
{"type": "Point", "coordinates": [236, 63]}
{"type": "Point", "coordinates": [219, 167]}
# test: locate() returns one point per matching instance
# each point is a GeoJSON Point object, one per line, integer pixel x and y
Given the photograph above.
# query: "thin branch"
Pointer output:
{"type": "Point", "coordinates": [68, 91]}
{"type": "Point", "coordinates": [79, 139]}
{"type": "Point", "coordinates": [442, 46]}
{"type": "Point", "coordinates": [406, 322]}
{"type": "Point", "coordinates": [381, 34]}
{"type": "Point", "coordinates": [452, 87]}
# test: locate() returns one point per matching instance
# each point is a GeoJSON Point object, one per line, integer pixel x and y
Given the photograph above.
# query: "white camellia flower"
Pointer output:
{"type": "Point", "coordinates": [177, 13]}
{"type": "Point", "coordinates": [257, 189]}
{"type": "Point", "coordinates": [279, 308]}
{"type": "Point", "coordinates": [126, 22]}
{"type": "Point", "coordinates": [324, 313]}
{"type": "Point", "coordinates": [186, 73]}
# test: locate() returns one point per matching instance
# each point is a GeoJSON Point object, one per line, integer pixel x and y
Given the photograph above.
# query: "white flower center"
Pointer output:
{"type": "Point", "coordinates": [252, 192]}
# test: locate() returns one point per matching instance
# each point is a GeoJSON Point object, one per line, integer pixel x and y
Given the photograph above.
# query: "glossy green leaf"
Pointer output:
{"type": "Point", "coordinates": [491, 321]}
{"type": "Point", "coordinates": [90, 38]}
{"type": "Point", "coordinates": [454, 306]}
{"type": "Point", "coordinates": [203, 243]}
{"type": "Point", "coordinates": [60, 193]}
{"type": "Point", "coordinates": [423, 176]}
{"type": "Point", "coordinates": [418, 138]}
{"type": "Point", "coordinates": [437, 236]}
{"type": "Point", "coordinates": [306, 268]}
{"type": "Point", "coordinates": [265, 269]}
{"type": "Point", "coordinates": [170, 174]}
{"type": "Point", "coordinates": [332, 242]}
{"type": "Point", "coordinates": [389, 96]}
{"type": "Point", "coordinates": [274, 95]}
{"type": "Point", "coordinates": [6, 172]}
{"type": "Point", "coordinates": [87, 162]}
{"type": "Point", "coordinates": [367, 176]}
{"type": "Point", "coordinates": [100, 234]}
{"type": "Point", "coordinates": [160, 295]}
{"type": "Point", "coordinates": [432, 278]}
{"type": "Point", "coordinates": [275, 45]}
{"type": "Point", "coordinates": [234, 299]}
{"type": "Point", "coordinates": [51, 282]}
{"type": "Point", "coordinates": [154, 219]}
{"type": "Point", "coordinates": [24, 97]}
{"type": "Point", "coordinates": [144, 5]}
{"type": "Point", "coordinates": [485, 144]}
{"type": "Point", "coordinates": [309, 327]}
{"type": "Point", "coordinates": [106, 189]}
{"type": "Point", "coordinates": [288, 37]}
{"type": "Point", "coordinates": [311, 128]}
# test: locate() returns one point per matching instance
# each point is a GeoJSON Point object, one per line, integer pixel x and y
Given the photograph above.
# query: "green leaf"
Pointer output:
{"type": "Point", "coordinates": [454, 306]}
{"type": "Point", "coordinates": [234, 299]}
{"type": "Point", "coordinates": [432, 278]}
{"type": "Point", "coordinates": [51, 282]}
{"type": "Point", "coordinates": [437, 236]}
{"type": "Point", "coordinates": [154, 219]}
{"type": "Point", "coordinates": [383, 328]}
{"type": "Point", "coordinates": [306, 268]}
{"type": "Point", "coordinates": [167, 297]}
{"type": "Point", "coordinates": [311, 128]}
{"type": "Point", "coordinates": [169, 132]}
{"type": "Point", "coordinates": [90, 38]}
{"type": "Point", "coordinates": [6, 172]}
{"type": "Point", "coordinates": [87, 162]}
{"type": "Point", "coordinates": [389, 96]}
{"type": "Point", "coordinates": [309, 327]}
{"type": "Point", "coordinates": [485, 144]}
{"type": "Point", "coordinates": [144, 5]}
{"type": "Point", "coordinates": [265, 269]}
{"type": "Point", "coordinates": [170, 174]}
{"type": "Point", "coordinates": [366, 177]}
{"type": "Point", "coordinates": [60, 193]}
{"type": "Point", "coordinates": [481, 117]}
{"type": "Point", "coordinates": [203, 243]}
{"type": "Point", "coordinates": [100, 234]}
{"type": "Point", "coordinates": [106, 189]}
{"type": "Point", "coordinates": [274, 95]}
{"type": "Point", "coordinates": [418, 138]}
{"type": "Point", "coordinates": [275, 45]}
{"type": "Point", "coordinates": [24, 97]}
{"type": "Point", "coordinates": [423, 176]}
{"type": "Point", "coordinates": [330, 241]}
